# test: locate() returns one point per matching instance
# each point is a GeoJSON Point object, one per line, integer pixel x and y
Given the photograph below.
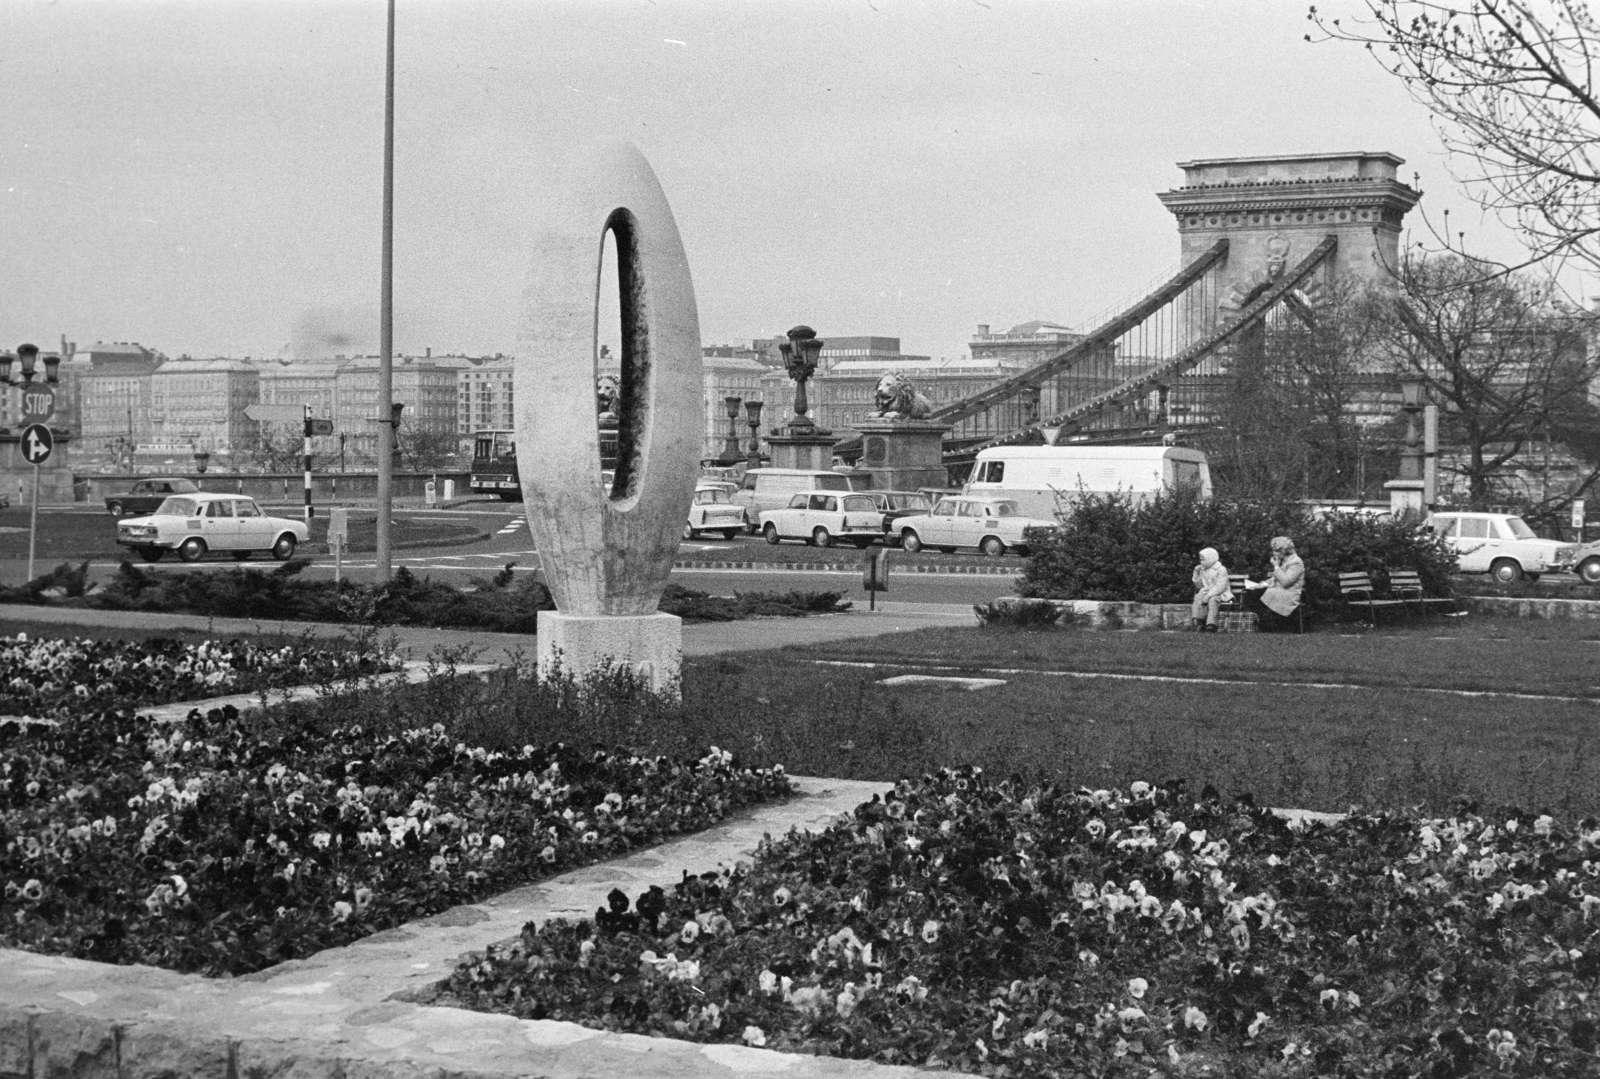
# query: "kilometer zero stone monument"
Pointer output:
{"type": "Point", "coordinates": [606, 555]}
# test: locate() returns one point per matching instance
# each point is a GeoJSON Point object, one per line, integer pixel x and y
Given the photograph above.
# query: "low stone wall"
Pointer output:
{"type": "Point", "coordinates": [1507, 607]}
{"type": "Point", "coordinates": [1113, 614]}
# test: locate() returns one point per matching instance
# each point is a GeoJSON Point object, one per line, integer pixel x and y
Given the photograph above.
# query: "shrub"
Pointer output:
{"type": "Point", "coordinates": [1018, 614]}
{"type": "Point", "coordinates": [1110, 547]}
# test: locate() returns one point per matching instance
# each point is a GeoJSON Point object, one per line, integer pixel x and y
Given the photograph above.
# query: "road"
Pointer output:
{"type": "Point", "coordinates": [508, 540]}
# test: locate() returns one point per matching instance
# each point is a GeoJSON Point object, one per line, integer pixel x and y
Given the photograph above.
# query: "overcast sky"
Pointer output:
{"type": "Point", "coordinates": [206, 177]}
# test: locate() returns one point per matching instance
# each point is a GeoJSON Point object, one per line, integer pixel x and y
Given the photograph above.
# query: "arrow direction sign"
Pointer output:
{"type": "Point", "coordinates": [37, 442]}
{"type": "Point", "coordinates": [275, 413]}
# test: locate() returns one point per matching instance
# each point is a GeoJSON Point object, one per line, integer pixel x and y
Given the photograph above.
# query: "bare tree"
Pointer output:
{"type": "Point", "coordinates": [1509, 367]}
{"type": "Point", "coordinates": [1511, 85]}
{"type": "Point", "coordinates": [281, 448]}
{"type": "Point", "coordinates": [426, 448]}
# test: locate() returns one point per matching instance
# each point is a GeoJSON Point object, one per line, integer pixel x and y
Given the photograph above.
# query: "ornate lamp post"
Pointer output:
{"type": "Point", "coordinates": [800, 354]}
{"type": "Point", "coordinates": [752, 411]}
{"type": "Point", "coordinates": [29, 355]}
{"type": "Point", "coordinates": [730, 449]}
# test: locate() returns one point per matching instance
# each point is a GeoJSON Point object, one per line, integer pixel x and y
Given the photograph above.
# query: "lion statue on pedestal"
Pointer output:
{"type": "Point", "coordinates": [898, 399]}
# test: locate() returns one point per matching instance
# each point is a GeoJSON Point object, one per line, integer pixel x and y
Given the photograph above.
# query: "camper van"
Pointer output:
{"type": "Point", "coordinates": [1033, 476]}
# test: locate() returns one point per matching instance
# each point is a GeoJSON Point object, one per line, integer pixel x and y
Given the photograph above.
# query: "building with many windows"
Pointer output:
{"type": "Point", "coordinates": [198, 405]}
{"type": "Point", "coordinates": [114, 397]}
{"type": "Point", "coordinates": [427, 389]}
{"type": "Point", "coordinates": [483, 394]}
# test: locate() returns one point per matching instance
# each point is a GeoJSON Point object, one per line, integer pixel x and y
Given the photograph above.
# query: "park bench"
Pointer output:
{"type": "Point", "coordinates": [1406, 585]}
{"type": "Point", "coordinates": [1357, 590]}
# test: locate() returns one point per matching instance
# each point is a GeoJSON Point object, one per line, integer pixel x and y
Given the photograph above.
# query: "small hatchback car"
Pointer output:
{"type": "Point", "coordinates": [1499, 544]}
{"type": "Point", "coordinates": [193, 524]}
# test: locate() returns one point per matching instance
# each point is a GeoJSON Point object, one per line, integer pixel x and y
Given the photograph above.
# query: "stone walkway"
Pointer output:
{"type": "Point", "coordinates": [704, 639]}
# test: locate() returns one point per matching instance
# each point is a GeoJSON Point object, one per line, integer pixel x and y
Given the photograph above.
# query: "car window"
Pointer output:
{"type": "Point", "coordinates": [991, 472]}
{"type": "Point", "coordinates": [219, 509]}
{"type": "Point", "coordinates": [1005, 509]}
{"type": "Point", "coordinates": [1495, 531]}
{"type": "Point", "coordinates": [246, 508]}
{"type": "Point", "coordinates": [140, 489]}
{"type": "Point", "coordinates": [702, 498]}
{"type": "Point", "coordinates": [857, 503]}
{"type": "Point", "coordinates": [175, 506]}
{"type": "Point", "coordinates": [908, 502]}
{"type": "Point", "coordinates": [1474, 528]}
{"type": "Point", "coordinates": [798, 502]}
{"type": "Point", "coordinates": [945, 509]}
{"type": "Point", "coordinates": [824, 502]}
{"type": "Point", "coordinates": [1446, 527]}
{"type": "Point", "coordinates": [832, 483]}
{"type": "Point", "coordinates": [970, 509]}
{"type": "Point", "coordinates": [1519, 528]}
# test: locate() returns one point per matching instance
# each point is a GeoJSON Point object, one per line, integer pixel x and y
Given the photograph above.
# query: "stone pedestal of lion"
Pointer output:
{"type": "Point", "coordinates": [900, 445]}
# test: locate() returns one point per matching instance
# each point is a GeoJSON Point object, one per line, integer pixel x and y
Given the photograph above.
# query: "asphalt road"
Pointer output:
{"type": "Point", "coordinates": [85, 533]}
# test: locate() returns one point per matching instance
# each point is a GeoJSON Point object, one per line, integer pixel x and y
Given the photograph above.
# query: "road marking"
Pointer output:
{"type": "Point", "coordinates": [1014, 671]}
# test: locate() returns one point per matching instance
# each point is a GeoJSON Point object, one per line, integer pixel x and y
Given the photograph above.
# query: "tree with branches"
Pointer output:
{"type": "Point", "coordinates": [1509, 366]}
{"type": "Point", "coordinates": [1511, 84]}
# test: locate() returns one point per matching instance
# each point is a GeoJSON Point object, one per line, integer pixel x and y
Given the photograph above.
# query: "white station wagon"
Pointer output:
{"type": "Point", "coordinates": [821, 517]}
{"type": "Point", "coordinates": [193, 524]}
{"type": "Point", "coordinates": [993, 526]}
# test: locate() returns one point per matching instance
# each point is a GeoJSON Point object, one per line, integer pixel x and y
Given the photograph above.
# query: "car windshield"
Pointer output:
{"type": "Point", "coordinates": [710, 495]}
{"type": "Point", "coordinates": [908, 502]}
{"type": "Point", "coordinates": [183, 487]}
{"type": "Point", "coordinates": [1519, 529]}
{"type": "Point", "coordinates": [178, 507]}
{"type": "Point", "coordinates": [1005, 509]}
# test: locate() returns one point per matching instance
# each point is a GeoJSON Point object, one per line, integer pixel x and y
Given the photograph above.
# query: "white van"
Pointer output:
{"type": "Point", "coordinates": [1034, 476]}
{"type": "Point", "coordinates": [765, 489]}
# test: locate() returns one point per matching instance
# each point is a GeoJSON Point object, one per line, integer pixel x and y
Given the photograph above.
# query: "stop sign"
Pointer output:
{"type": "Point", "coordinates": [38, 402]}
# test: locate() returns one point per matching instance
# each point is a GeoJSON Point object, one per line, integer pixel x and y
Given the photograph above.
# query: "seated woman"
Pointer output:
{"type": "Point", "coordinates": [1211, 590]}
{"type": "Point", "coordinates": [1276, 599]}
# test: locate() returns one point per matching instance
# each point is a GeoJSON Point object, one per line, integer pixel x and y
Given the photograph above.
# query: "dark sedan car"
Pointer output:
{"type": "Point", "coordinates": [145, 495]}
{"type": "Point", "coordinates": [897, 504]}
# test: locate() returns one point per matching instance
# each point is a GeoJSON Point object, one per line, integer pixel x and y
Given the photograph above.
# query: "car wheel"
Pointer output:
{"type": "Point", "coordinates": [820, 537]}
{"type": "Point", "coordinates": [240, 556]}
{"type": "Point", "coordinates": [283, 550]}
{"type": "Point", "coordinates": [1589, 570]}
{"type": "Point", "coordinates": [911, 541]}
{"type": "Point", "coordinates": [729, 533]}
{"type": "Point", "coordinates": [115, 509]}
{"type": "Point", "coordinates": [690, 533]}
{"type": "Point", "coordinates": [992, 546]}
{"type": "Point", "coordinates": [772, 534]}
{"type": "Point", "coordinates": [152, 554]}
{"type": "Point", "coordinates": [1506, 570]}
{"type": "Point", "coordinates": [192, 549]}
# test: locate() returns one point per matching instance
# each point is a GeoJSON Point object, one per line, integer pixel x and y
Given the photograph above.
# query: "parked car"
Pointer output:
{"type": "Point", "coordinates": [821, 517]}
{"type": "Point", "coordinates": [193, 524]}
{"type": "Point", "coordinates": [711, 510]}
{"type": "Point", "coordinates": [764, 489]}
{"type": "Point", "coordinates": [146, 495]}
{"type": "Point", "coordinates": [1499, 544]}
{"type": "Point", "coordinates": [1586, 562]}
{"type": "Point", "coordinates": [898, 504]}
{"type": "Point", "coordinates": [993, 526]}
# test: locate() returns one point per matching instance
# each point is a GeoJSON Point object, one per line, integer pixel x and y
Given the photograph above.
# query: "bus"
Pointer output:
{"type": "Point", "coordinates": [494, 464]}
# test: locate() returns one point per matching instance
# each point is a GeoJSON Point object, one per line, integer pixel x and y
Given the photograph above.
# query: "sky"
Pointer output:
{"type": "Point", "coordinates": [206, 177]}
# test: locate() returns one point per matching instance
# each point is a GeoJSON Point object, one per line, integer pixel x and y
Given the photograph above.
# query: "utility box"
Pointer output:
{"type": "Point", "coordinates": [449, 490]}
{"type": "Point", "coordinates": [338, 527]}
{"type": "Point", "coordinates": [430, 495]}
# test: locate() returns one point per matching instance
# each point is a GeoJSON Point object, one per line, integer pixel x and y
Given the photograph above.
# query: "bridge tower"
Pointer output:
{"type": "Point", "coordinates": [1273, 210]}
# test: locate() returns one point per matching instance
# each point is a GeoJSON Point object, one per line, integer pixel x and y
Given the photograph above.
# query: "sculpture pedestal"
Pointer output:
{"type": "Point", "coordinates": [651, 644]}
{"type": "Point", "coordinates": [903, 455]}
{"type": "Point", "coordinates": [1405, 498]}
{"type": "Point", "coordinates": [804, 447]}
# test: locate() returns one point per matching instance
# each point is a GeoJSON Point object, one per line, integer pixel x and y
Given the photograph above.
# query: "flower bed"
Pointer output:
{"type": "Point", "coordinates": [43, 678]}
{"type": "Point", "coordinates": [226, 843]}
{"type": "Point", "coordinates": [1047, 932]}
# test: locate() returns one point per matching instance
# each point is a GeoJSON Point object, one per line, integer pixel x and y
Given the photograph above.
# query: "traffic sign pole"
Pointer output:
{"type": "Point", "coordinates": [33, 520]}
{"type": "Point", "coordinates": [307, 448]}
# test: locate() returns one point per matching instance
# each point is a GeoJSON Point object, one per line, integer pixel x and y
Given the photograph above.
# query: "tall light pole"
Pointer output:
{"type": "Point", "coordinates": [386, 322]}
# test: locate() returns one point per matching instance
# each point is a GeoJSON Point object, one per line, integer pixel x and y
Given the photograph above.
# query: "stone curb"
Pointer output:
{"type": "Point", "coordinates": [342, 1014]}
{"type": "Point", "coordinates": [1528, 607]}
{"type": "Point", "coordinates": [844, 567]}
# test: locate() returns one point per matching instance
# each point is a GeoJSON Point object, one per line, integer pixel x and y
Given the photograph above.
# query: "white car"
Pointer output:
{"type": "Point", "coordinates": [993, 526]}
{"type": "Point", "coordinates": [1499, 544]}
{"type": "Point", "coordinates": [193, 524]}
{"type": "Point", "coordinates": [821, 517]}
{"type": "Point", "coordinates": [713, 511]}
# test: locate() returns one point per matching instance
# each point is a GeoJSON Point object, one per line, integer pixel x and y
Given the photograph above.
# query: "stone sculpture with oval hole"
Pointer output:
{"type": "Point", "coordinates": [606, 555]}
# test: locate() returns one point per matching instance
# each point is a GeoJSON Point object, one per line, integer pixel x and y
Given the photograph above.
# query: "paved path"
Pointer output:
{"type": "Point", "coordinates": [704, 639]}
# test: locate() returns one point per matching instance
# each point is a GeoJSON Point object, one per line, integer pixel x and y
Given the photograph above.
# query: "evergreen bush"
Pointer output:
{"type": "Point", "coordinates": [1110, 547]}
